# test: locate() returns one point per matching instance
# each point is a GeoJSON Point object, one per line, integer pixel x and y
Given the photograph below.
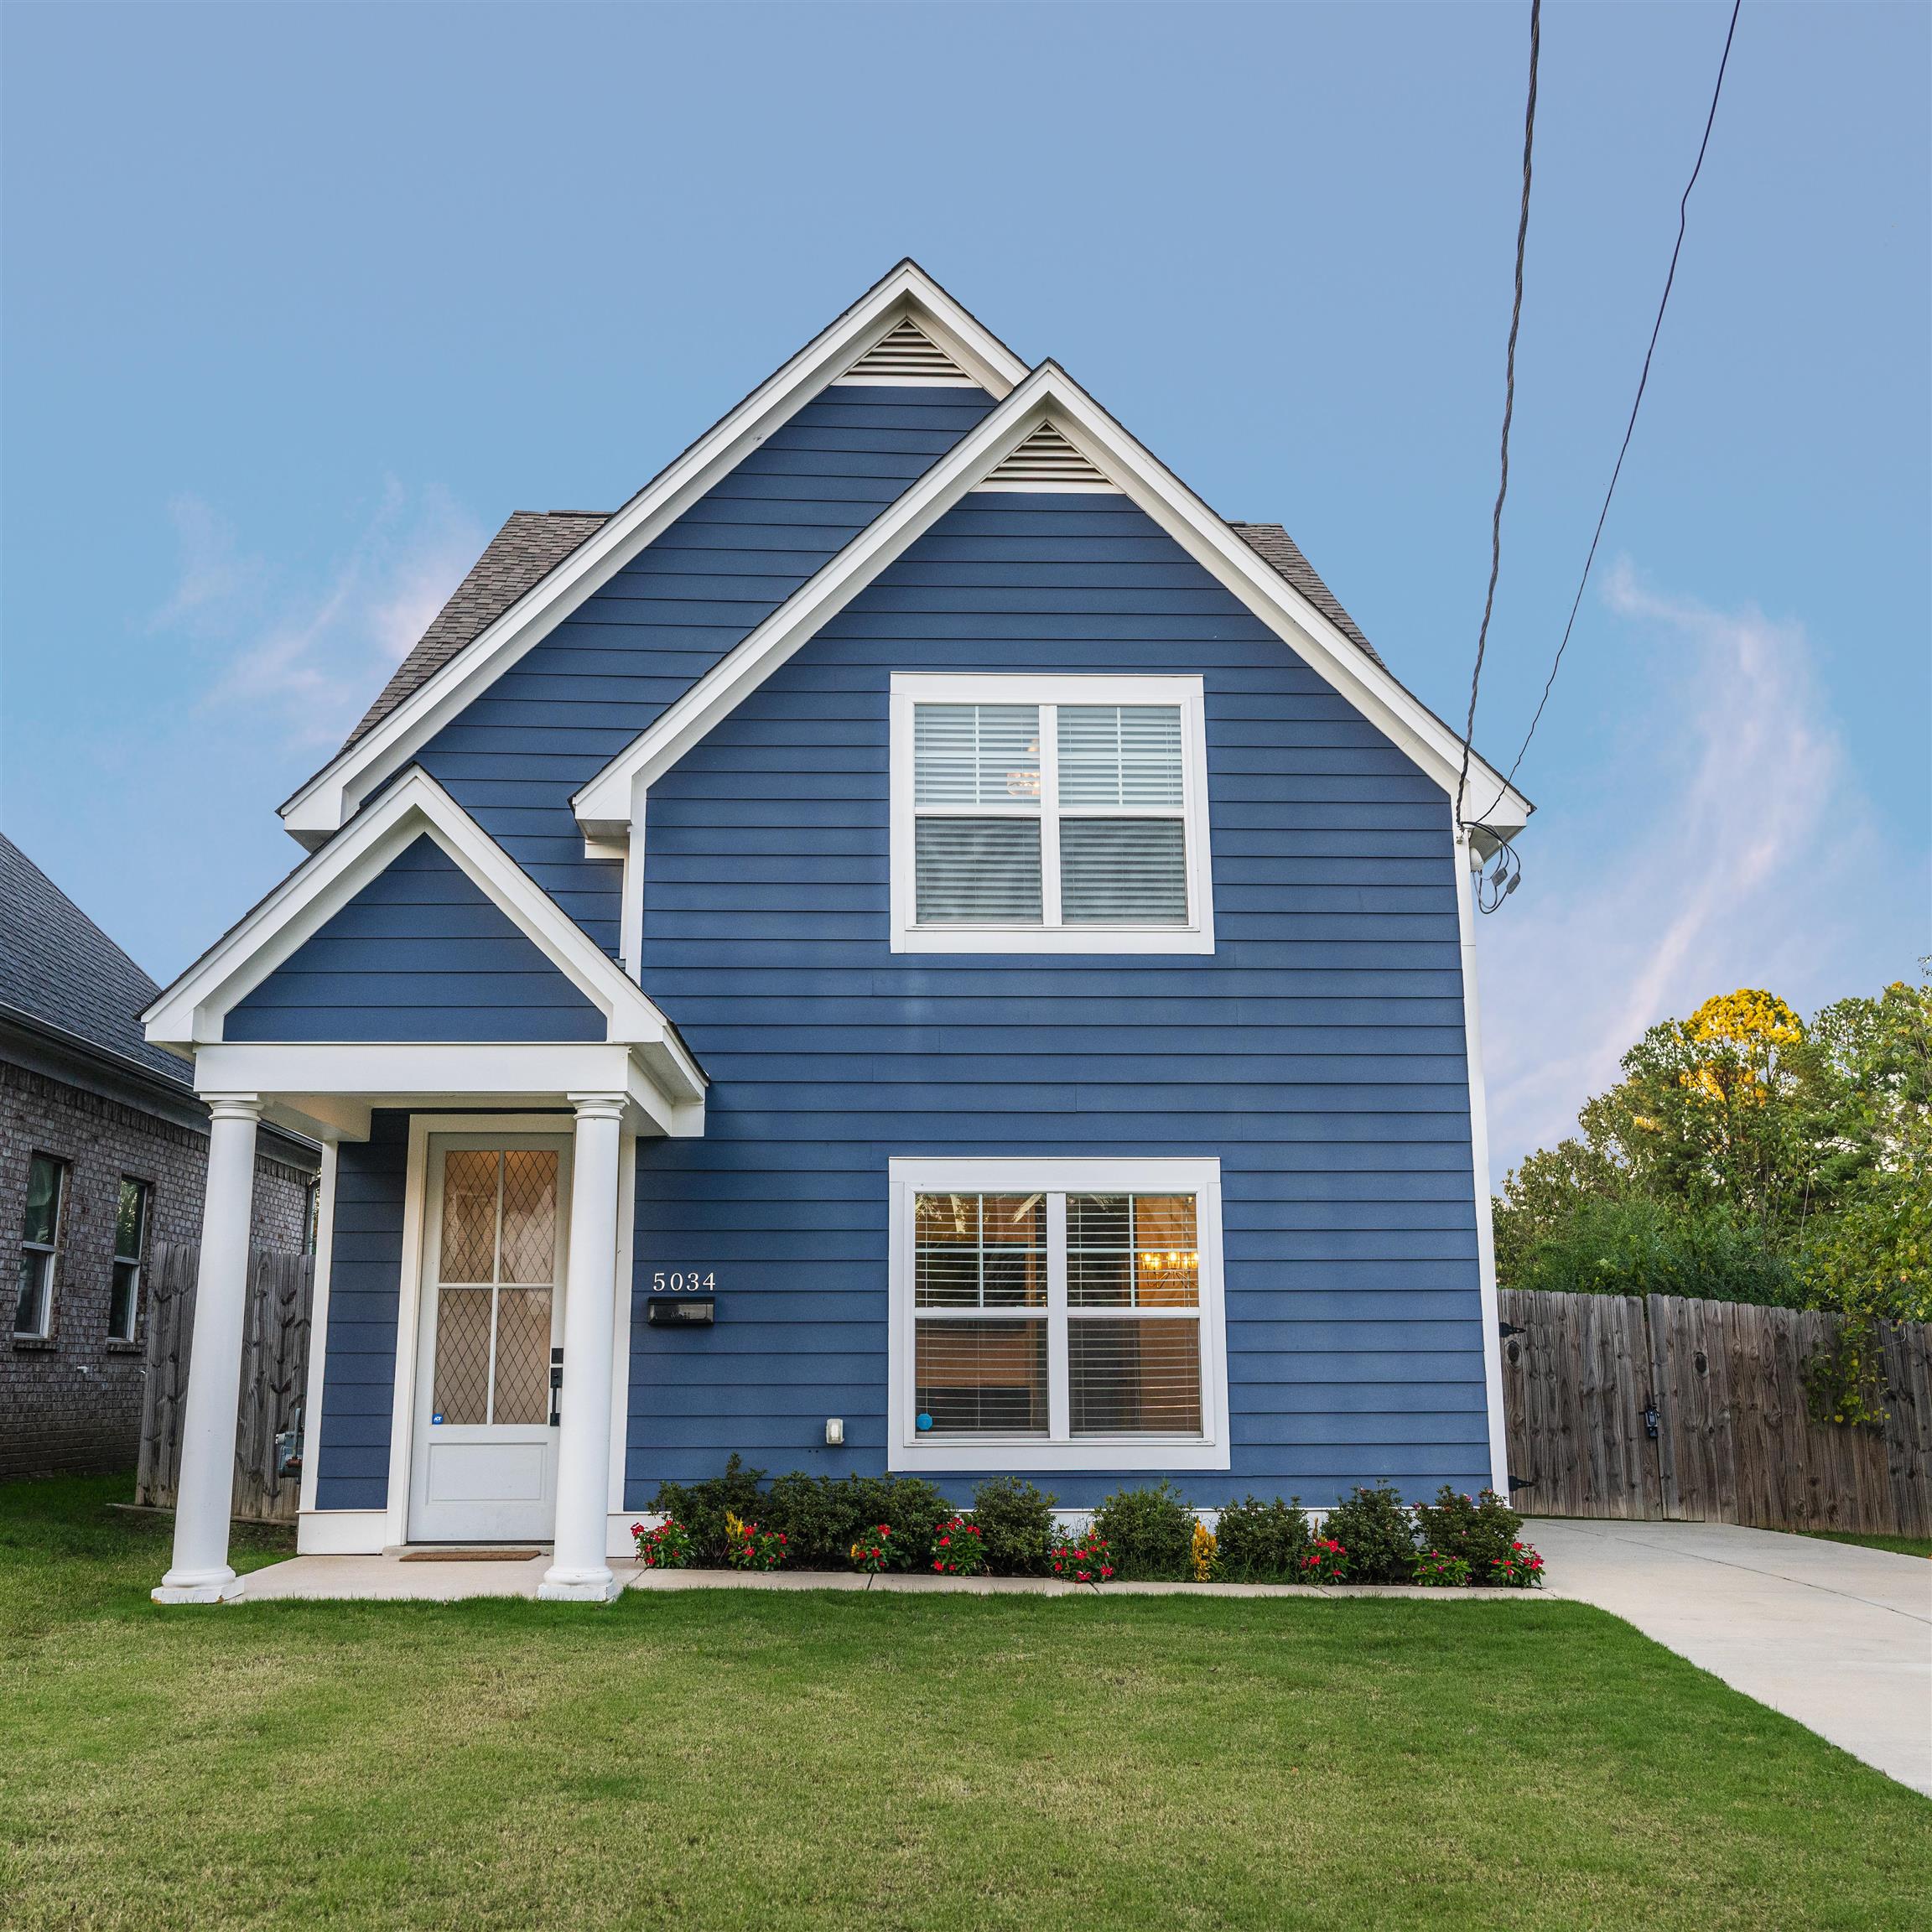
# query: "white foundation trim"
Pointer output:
{"type": "Point", "coordinates": [343, 1533]}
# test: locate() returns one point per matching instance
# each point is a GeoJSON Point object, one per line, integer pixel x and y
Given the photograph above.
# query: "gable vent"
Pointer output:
{"type": "Point", "coordinates": [1046, 460]}
{"type": "Point", "coordinates": [908, 358]}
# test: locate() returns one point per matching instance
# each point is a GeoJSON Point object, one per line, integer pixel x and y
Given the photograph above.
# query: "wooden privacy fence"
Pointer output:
{"type": "Point", "coordinates": [274, 1375]}
{"type": "Point", "coordinates": [1658, 1407]}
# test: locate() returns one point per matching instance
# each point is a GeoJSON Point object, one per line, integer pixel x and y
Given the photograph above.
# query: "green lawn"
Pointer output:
{"type": "Point", "coordinates": [762, 1761]}
{"type": "Point", "coordinates": [1899, 1545]}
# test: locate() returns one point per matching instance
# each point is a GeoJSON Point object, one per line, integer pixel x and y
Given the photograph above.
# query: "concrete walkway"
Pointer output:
{"type": "Point", "coordinates": [1836, 1636]}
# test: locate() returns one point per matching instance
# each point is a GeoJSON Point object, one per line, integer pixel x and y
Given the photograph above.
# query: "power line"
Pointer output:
{"type": "Point", "coordinates": [1508, 402]}
{"type": "Point", "coordinates": [1629, 429]}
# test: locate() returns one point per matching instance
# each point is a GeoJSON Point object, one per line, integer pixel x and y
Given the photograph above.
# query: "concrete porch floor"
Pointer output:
{"type": "Point", "coordinates": [387, 1578]}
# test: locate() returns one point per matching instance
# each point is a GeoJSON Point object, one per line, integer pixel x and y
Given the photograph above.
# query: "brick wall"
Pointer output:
{"type": "Point", "coordinates": [73, 1402]}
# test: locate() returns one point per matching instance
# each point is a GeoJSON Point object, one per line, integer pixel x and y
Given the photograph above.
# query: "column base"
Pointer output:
{"type": "Point", "coordinates": [222, 1587]}
{"type": "Point", "coordinates": [578, 1586]}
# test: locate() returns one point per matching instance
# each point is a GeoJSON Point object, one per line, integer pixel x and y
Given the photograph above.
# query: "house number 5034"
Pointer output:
{"type": "Point", "coordinates": [685, 1281]}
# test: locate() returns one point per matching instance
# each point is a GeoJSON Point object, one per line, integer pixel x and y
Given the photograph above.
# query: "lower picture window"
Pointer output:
{"type": "Point", "coordinates": [1068, 1325]}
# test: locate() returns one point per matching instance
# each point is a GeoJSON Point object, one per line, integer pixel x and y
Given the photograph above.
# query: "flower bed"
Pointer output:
{"type": "Point", "coordinates": [878, 1525]}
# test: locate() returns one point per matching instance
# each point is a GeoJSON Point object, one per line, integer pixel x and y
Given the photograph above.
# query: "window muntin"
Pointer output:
{"type": "Point", "coordinates": [1067, 1322]}
{"type": "Point", "coordinates": [39, 1242]}
{"type": "Point", "coordinates": [1062, 824]}
{"type": "Point", "coordinates": [130, 1247]}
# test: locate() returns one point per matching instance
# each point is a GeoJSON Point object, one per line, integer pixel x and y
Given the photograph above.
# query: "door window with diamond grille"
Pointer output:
{"type": "Point", "coordinates": [496, 1282]}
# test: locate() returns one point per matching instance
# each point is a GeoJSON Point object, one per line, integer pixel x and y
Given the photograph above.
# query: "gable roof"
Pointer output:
{"type": "Point", "coordinates": [59, 969]}
{"type": "Point", "coordinates": [321, 806]}
{"type": "Point", "coordinates": [604, 805]}
{"type": "Point", "coordinates": [521, 555]}
{"type": "Point", "coordinates": [191, 1012]}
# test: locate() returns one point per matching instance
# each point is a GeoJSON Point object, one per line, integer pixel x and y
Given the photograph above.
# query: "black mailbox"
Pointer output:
{"type": "Point", "coordinates": [681, 1311]}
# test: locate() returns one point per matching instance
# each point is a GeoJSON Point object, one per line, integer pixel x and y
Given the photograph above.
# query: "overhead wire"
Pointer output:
{"type": "Point", "coordinates": [1624, 449]}
{"type": "Point", "coordinates": [1508, 401]}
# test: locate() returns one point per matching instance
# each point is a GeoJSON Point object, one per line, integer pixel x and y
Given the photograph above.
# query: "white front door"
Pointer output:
{"type": "Point", "coordinates": [483, 1467]}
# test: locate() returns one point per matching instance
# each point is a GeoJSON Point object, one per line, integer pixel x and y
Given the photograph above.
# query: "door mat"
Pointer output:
{"type": "Point", "coordinates": [468, 1555]}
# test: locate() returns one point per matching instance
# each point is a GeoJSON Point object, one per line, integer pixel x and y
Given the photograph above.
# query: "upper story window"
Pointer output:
{"type": "Point", "coordinates": [40, 1243]}
{"type": "Point", "coordinates": [130, 1246]}
{"type": "Point", "coordinates": [1049, 814]}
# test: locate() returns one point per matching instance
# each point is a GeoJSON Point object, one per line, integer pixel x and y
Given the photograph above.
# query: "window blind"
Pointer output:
{"type": "Point", "coordinates": [997, 827]}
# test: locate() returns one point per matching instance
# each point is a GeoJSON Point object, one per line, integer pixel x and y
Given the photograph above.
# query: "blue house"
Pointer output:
{"type": "Point", "coordinates": [911, 945]}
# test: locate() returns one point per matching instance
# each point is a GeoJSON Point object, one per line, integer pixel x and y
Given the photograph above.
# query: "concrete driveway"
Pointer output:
{"type": "Point", "coordinates": [1838, 1637]}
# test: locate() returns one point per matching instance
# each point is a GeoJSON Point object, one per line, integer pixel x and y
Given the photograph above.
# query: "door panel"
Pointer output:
{"type": "Point", "coordinates": [484, 1468]}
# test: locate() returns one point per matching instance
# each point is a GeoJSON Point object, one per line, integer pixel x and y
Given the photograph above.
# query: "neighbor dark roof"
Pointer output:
{"type": "Point", "coordinates": [531, 545]}
{"type": "Point", "coordinates": [533, 542]}
{"type": "Point", "coordinates": [59, 969]}
{"type": "Point", "coordinates": [1274, 546]}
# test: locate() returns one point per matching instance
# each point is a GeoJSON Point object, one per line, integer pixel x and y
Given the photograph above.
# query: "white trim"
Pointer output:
{"type": "Point", "coordinates": [324, 1261]}
{"type": "Point", "coordinates": [602, 804]}
{"type": "Point", "coordinates": [339, 1081]}
{"type": "Point", "coordinates": [343, 1533]}
{"type": "Point", "coordinates": [906, 1449]}
{"type": "Point", "coordinates": [915, 687]}
{"type": "Point", "coordinates": [1465, 863]}
{"type": "Point", "coordinates": [190, 1011]}
{"type": "Point", "coordinates": [409, 1303]}
{"type": "Point", "coordinates": [330, 798]}
{"type": "Point", "coordinates": [620, 1336]}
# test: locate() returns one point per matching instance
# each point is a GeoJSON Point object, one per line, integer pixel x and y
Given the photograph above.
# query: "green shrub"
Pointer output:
{"type": "Point", "coordinates": [703, 1507]}
{"type": "Point", "coordinates": [1640, 1246]}
{"type": "Point", "coordinates": [1478, 1531]}
{"type": "Point", "coordinates": [1258, 1542]}
{"type": "Point", "coordinates": [908, 1505]}
{"type": "Point", "coordinates": [1376, 1529]}
{"type": "Point", "coordinates": [1149, 1533]}
{"type": "Point", "coordinates": [1016, 1522]}
{"type": "Point", "coordinates": [1435, 1571]}
{"type": "Point", "coordinates": [822, 1517]}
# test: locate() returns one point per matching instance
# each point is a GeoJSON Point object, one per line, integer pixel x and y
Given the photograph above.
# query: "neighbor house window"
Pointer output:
{"type": "Point", "coordinates": [40, 1240]}
{"type": "Point", "coordinates": [1058, 1315]}
{"type": "Point", "coordinates": [130, 1245]}
{"type": "Point", "coordinates": [1049, 814]}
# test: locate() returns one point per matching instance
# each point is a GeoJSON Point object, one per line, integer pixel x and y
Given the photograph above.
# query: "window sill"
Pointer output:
{"type": "Point", "coordinates": [117, 1345]}
{"type": "Point", "coordinates": [27, 1343]}
{"type": "Point", "coordinates": [1116, 939]}
{"type": "Point", "coordinates": [1093, 1453]}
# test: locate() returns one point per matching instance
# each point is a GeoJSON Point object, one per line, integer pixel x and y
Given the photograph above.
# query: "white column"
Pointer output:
{"type": "Point", "coordinates": [578, 1572]}
{"type": "Point", "coordinates": [205, 1493]}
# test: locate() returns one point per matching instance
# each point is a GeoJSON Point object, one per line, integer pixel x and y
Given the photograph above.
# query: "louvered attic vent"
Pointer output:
{"type": "Point", "coordinates": [1046, 460]}
{"type": "Point", "coordinates": [908, 358]}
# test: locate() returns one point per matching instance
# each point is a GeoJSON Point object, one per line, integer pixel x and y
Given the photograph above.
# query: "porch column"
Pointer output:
{"type": "Point", "coordinates": [205, 1492]}
{"type": "Point", "coordinates": [578, 1572]}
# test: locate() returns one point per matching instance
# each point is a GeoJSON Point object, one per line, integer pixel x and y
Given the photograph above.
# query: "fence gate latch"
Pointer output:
{"type": "Point", "coordinates": [1650, 1422]}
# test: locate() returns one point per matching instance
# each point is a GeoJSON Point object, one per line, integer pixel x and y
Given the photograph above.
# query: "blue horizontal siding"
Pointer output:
{"type": "Point", "coordinates": [419, 953]}
{"type": "Point", "coordinates": [637, 643]}
{"type": "Point", "coordinates": [1319, 1052]}
{"type": "Point", "coordinates": [364, 1284]}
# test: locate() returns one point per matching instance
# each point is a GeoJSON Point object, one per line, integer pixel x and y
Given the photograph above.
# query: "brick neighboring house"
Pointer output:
{"type": "Point", "coordinates": [103, 1152]}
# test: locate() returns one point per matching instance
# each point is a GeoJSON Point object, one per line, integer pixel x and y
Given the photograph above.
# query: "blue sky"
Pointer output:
{"type": "Point", "coordinates": [299, 302]}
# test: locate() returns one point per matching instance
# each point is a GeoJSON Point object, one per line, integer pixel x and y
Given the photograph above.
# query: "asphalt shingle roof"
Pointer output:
{"type": "Point", "coordinates": [58, 968]}
{"type": "Point", "coordinates": [1277, 549]}
{"type": "Point", "coordinates": [524, 552]}
{"type": "Point", "coordinates": [533, 542]}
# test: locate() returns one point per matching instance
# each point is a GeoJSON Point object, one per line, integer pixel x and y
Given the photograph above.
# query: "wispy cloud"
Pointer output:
{"type": "Point", "coordinates": [301, 654]}
{"type": "Point", "coordinates": [1739, 851]}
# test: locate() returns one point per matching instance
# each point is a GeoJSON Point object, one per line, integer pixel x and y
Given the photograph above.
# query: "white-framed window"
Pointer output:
{"type": "Point", "coordinates": [130, 1247]}
{"type": "Point", "coordinates": [39, 1245]}
{"type": "Point", "coordinates": [1049, 814]}
{"type": "Point", "coordinates": [1057, 1314]}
